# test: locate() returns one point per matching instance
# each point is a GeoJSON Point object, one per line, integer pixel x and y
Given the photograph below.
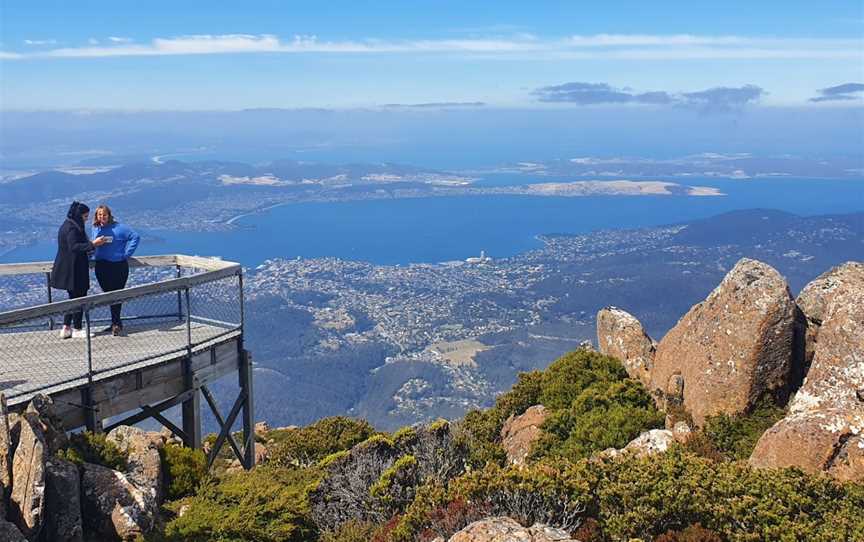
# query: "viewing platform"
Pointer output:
{"type": "Point", "coordinates": [183, 322]}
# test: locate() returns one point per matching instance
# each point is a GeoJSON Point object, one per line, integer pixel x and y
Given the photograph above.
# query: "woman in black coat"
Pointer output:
{"type": "Point", "coordinates": [71, 270]}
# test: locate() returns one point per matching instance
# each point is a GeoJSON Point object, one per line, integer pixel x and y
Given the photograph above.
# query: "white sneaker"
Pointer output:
{"type": "Point", "coordinates": [66, 332]}
{"type": "Point", "coordinates": [79, 334]}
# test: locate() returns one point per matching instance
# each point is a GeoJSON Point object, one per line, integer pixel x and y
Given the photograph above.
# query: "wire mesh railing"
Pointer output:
{"type": "Point", "coordinates": [173, 306]}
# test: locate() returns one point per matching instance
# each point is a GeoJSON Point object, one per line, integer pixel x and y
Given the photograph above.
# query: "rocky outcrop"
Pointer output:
{"type": "Point", "coordinates": [836, 375]}
{"type": "Point", "coordinates": [62, 502]}
{"type": "Point", "coordinates": [815, 299]}
{"type": "Point", "coordinates": [620, 335]}
{"type": "Point", "coordinates": [144, 466]}
{"type": "Point", "coordinates": [115, 507]}
{"type": "Point", "coordinates": [824, 431]}
{"type": "Point", "coordinates": [27, 501]}
{"type": "Point", "coordinates": [10, 533]}
{"type": "Point", "coordinates": [732, 348]}
{"type": "Point", "coordinates": [504, 529]}
{"type": "Point", "coordinates": [42, 409]}
{"type": "Point", "coordinates": [825, 440]}
{"type": "Point", "coordinates": [520, 432]}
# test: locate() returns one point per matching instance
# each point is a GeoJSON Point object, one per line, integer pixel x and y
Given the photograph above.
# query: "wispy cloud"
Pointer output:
{"type": "Point", "coordinates": [844, 92]}
{"type": "Point", "coordinates": [40, 42]}
{"type": "Point", "coordinates": [715, 99]}
{"type": "Point", "coordinates": [625, 46]}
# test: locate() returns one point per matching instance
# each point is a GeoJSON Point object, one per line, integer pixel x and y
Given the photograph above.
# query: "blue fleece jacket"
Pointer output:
{"type": "Point", "coordinates": [124, 244]}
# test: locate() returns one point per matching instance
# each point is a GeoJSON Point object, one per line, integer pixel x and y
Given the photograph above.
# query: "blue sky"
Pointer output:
{"type": "Point", "coordinates": [193, 55]}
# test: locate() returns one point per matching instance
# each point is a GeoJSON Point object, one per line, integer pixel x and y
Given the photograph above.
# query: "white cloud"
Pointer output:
{"type": "Point", "coordinates": [40, 42]}
{"type": "Point", "coordinates": [608, 46]}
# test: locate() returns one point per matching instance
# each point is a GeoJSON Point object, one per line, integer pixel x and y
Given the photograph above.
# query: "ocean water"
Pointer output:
{"type": "Point", "coordinates": [402, 231]}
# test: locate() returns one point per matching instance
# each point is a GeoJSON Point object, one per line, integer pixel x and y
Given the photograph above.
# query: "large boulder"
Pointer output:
{"type": "Point", "coordinates": [27, 501]}
{"type": "Point", "coordinates": [836, 375]}
{"type": "Point", "coordinates": [62, 502]}
{"type": "Point", "coordinates": [504, 529]}
{"type": "Point", "coordinates": [113, 506]}
{"type": "Point", "coordinates": [824, 440]}
{"type": "Point", "coordinates": [144, 466]}
{"type": "Point", "coordinates": [620, 335]}
{"type": "Point", "coordinates": [520, 432]}
{"type": "Point", "coordinates": [824, 430]}
{"type": "Point", "coordinates": [10, 533]}
{"type": "Point", "coordinates": [815, 299]}
{"type": "Point", "coordinates": [732, 348]}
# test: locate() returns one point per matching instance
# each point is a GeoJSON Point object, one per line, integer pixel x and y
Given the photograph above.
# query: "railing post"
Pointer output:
{"type": "Point", "coordinates": [242, 301]}
{"type": "Point", "coordinates": [191, 408]}
{"type": "Point", "coordinates": [50, 300]}
{"type": "Point", "coordinates": [179, 297]}
{"type": "Point", "coordinates": [91, 414]}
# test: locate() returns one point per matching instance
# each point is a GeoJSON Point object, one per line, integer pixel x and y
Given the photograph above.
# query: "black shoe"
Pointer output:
{"type": "Point", "coordinates": [117, 331]}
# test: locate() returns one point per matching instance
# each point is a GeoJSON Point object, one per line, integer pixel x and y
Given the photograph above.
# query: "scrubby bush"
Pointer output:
{"type": "Point", "coordinates": [604, 415]}
{"type": "Point", "coordinates": [646, 497]}
{"type": "Point", "coordinates": [351, 531]}
{"type": "Point", "coordinates": [265, 504]}
{"type": "Point", "coordinates": [88, 447]}
{"type": "Point", "coordinates": [735, 437]}
{"type": "Point", "coordinates": [693, 533]}
{"type": "Point", "coordinates": [184, 468]}
{"type": "Point", "coordinates": [306, 446]}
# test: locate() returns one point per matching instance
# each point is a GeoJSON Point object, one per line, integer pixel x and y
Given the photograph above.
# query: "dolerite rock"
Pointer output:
{"type": "Point", "coordinates": [27, 501]}
{"type": "Point", "coordinates": [144, 466]}
{"type": "Point", "coordinates": [733, 347]}
{"type": "Point", "coordinates": [648, 443]}
{"type": "Point", "coordinates": [113, 506]}
{"type": "Point", "coordinates": [836, 375]}
{"type": "Point", "coordinates": [5, 457]}
{"type": "Point", "coordinates": [825, 440]}
{"type": "Point", "coordinates": [504, 529]}
{"type": "Point", "coordinates": [824, 431]}
{"type": "Point", "coordinates": [620, 335]}
{"type": "Point", "coordinates": [55, 436]}
{"type": "Point", "coordinates": [10, 533]}
{"type": "Point", "coordinates": [62, 502]}
{"type": "Point", "coordinates": [815, 299]}
{"type": "Point", "coordinates": [520, 432]}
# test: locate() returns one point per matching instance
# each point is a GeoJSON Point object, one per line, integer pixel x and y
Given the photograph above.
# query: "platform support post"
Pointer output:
{"type": "Point", "coordinates": [248, 407]}
{"type": "Point", "coordinates": [192, 407]}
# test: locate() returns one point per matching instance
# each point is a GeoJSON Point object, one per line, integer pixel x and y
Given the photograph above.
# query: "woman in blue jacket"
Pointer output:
{"type": "Point", "coordinates": [112, 258]}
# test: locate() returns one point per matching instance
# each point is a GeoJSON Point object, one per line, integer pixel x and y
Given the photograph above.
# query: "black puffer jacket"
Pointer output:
{"type": "Point", "coordinates": [71, 269]}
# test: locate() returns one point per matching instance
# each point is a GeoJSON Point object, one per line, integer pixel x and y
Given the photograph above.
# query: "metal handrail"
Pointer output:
{"type": "Point", "coordinates": [215, 269]}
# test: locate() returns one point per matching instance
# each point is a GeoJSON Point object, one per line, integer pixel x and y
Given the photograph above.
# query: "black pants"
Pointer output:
{"type": "Point", "coordinates": [74, 317]}
{"type": "Point", "coordinates": [113, 276]}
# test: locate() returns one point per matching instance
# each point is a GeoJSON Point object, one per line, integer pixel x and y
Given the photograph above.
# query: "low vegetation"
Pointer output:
{"type": "Point", "coordinates": [339, 481]}
{"type": "Point", "coordinates": [95, 448]}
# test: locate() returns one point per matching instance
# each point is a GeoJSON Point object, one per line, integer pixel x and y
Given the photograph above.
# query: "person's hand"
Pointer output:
{"type": "Point", "coordinates": [99, 241]}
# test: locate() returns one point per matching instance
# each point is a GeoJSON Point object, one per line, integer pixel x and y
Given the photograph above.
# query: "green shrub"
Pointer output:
{"type": "Point", "coordinates": [185, 469]}
{"type": "Point", "coordinates": [735, 437]}
{"type": "Point", "coordinates": [306, 446]}
{"type": "Point", "coordinates": [646, 497]}
{"type": "Point", "coordinates": [571, 374]}
{"type": "Point", "coordinates": [605, 415]}
{"type": "Point", "coordinates": [87, 447]}
{"type": "Point", "coordinates": [266, 504]}
{"type": "Point", "coordinates": [352, 531]}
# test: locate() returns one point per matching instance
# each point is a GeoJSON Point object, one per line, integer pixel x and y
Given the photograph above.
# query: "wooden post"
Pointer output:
{"type": "Point", "coordinates": [248, 407]}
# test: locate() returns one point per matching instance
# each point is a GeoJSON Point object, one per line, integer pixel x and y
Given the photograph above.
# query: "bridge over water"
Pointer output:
{"type": "Point", "coordinates": [183, 317]}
